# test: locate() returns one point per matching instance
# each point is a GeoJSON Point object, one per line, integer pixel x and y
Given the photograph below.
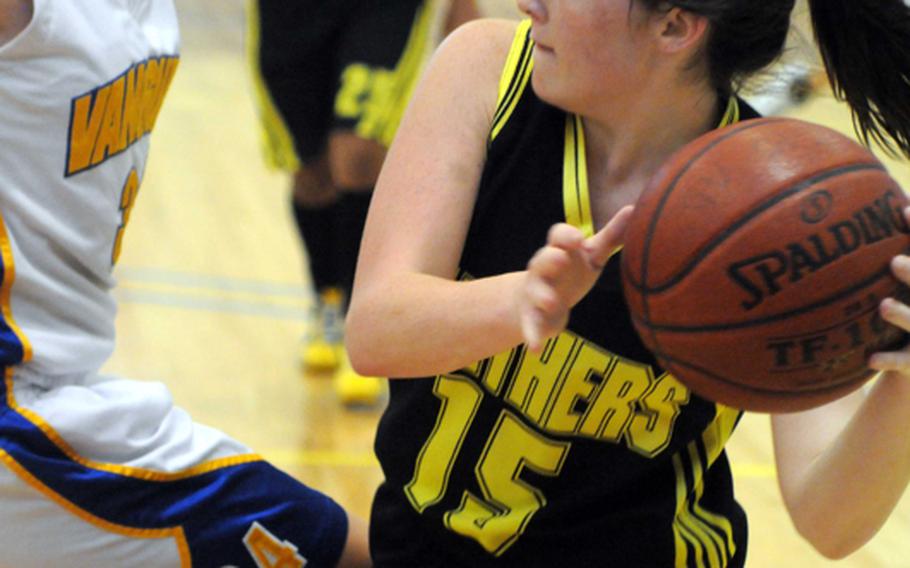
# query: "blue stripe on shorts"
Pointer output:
{"type": "Point", "coordinates": [215, 508]}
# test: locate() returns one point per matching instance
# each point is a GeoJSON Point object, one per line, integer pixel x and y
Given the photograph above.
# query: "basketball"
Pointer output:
{"type": "Point", "coordinates": [756, 259]}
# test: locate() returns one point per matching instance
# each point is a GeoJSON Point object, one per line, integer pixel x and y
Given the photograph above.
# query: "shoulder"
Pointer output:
{"type": "Point", "coordinates": [465, 70]}
{"type": "Point", "coordinates": [483, 36]}
{"type": "Point", "coordinates": [478, 48]}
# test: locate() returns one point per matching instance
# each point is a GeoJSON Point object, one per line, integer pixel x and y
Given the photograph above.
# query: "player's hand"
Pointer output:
{"type": "Point", "coordinates": [561, 273]}
{"type": "Point", "coordinates": [897, 314]}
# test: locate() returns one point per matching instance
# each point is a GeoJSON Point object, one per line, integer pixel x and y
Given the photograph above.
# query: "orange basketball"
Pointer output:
{"type": "Point", "coordinates": [756, 260]}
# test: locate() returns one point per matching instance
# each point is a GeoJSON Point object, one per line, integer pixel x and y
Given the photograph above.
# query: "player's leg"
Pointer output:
{"type": "Point", "coordinates": [110, 473]}
{"type": "Point", "coordinates": [382, 51]}
{"type": "Point", "coordinates": [291, 47]}
{"type": "Point", "coordinates": [356, 166]}
{"type": "Point", "coordinates": [317, 210]}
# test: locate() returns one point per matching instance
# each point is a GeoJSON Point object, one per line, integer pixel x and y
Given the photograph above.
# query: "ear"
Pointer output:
{"type": "Point", "coordinates": [680, 30]}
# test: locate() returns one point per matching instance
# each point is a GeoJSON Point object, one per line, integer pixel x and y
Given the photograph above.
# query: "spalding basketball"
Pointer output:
{"type": "Point", "coordinates": [756, 259]}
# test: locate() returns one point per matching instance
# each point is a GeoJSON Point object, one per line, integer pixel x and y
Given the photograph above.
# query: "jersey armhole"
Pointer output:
{"type": "Point", "coordinates": [514, 78]}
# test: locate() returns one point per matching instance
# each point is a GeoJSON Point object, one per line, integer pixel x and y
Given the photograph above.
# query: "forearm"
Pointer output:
{"type": "Point", "coordinates": [413, 325]}
{"type": "Point", "coordinates": [851, 488]}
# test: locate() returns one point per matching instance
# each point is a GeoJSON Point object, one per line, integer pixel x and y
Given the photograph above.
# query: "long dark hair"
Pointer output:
{"type": "Point", "coordinates": [866, 49]}
{"type": "Point", "coordinates": [865, 45]}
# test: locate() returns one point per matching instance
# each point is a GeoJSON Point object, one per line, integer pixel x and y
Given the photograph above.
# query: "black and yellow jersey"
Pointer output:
{"type": "Point", "coordinates": [587, 454]}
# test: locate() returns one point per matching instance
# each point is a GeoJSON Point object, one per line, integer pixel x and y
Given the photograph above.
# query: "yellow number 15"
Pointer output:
{"type": "Point", "coordinates": [497, 518]}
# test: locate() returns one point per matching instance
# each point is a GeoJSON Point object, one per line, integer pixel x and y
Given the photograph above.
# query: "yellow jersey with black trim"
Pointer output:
{"type": "Point", "coordinates": [587, 454]}
{"type": "Point", "coordinates": [81, 90]}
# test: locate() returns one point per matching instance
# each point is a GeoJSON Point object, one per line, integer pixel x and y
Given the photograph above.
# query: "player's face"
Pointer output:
{"type": "Point", "coordinates": [588, 53]}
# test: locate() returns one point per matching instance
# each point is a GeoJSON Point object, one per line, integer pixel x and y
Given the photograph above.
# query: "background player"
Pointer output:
{"type": "Point", "coordinates": [583, 452]}
{"type": "Point", "coordinates": [335, 77]}
{"type": "Point", "coordinates": [97, 470]}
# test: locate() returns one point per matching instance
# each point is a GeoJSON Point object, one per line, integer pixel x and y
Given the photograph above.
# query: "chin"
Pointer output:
{"type": "Point", "coordinates": [543, 88]}
{"type": "Point", "coordinates": [549, 91]}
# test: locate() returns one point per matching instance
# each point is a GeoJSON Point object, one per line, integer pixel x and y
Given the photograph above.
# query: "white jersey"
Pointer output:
{"type": "Point", "coordinates": [80, 90]}
{"type": "Point", "coordinates": [116, 473]}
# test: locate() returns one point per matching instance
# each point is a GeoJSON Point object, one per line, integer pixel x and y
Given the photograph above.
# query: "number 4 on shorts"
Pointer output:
{"type": "Point", "coordinates": [269, 551]}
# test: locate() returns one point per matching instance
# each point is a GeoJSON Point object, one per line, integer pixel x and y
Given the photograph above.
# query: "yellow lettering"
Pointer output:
{"type": "Point", "coordinates": [460, 400]}
{"type": "Point", "coordinates": [149, 93]}
{"type": "Point", "coordinates": [538, 376]}
{"type": "Point", "coordinates": [355, 84]}
{"type": "Point", "coordinates": [109, 137]}
{"type": "Point", "coordinates": [494, 372]}
{"type": "Point", "coordinates": [577, 388]}
{"type": "Point", "coordinates": [132, 105]}
{"type": "Point", "coordinates": [614, 406]}
{"type": "Point", "coordinates": [127, 200]}
{"type": "Point", "coordinates": [110, 119]}
{"type": "Point", "coordinates": [509, 502]}
{"type": "Point", "coordinates": [652, 428]}
{"type": "Point", "coordinates": [85, 123]}
{"type": "Point", "coordinates": [168, 69]}
{"type": "Point", "coordinates": [376, 106]}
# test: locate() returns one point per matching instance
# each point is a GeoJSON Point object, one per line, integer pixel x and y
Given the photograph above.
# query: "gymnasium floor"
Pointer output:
{"type": "Point", "coordinates": [213, 299]}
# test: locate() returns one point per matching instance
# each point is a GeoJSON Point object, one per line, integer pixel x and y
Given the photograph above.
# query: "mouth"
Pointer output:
{"type": "Point", "coordinates": [543, 48]}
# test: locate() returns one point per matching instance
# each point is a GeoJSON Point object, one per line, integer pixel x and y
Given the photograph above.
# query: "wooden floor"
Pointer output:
{"type": "Point", "coordinates": [213, 299]}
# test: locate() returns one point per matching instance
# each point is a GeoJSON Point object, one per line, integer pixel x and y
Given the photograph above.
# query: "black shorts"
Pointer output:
{"type": "Point", "coordinates": [334, 64]}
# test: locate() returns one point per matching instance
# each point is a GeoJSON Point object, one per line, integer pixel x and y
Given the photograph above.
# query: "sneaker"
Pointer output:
{"type": "Point", "coordinates": [357, 391]}
{"type": "Point", "coordinates": [323, 347]}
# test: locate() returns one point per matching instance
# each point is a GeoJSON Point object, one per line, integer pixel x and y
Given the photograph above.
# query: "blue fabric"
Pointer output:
{"type": "Point", "coordinates": [215, 508]}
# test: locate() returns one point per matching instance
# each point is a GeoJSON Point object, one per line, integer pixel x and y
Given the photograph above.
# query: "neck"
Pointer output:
{"type": "Point", "coordinates": [631, 140]}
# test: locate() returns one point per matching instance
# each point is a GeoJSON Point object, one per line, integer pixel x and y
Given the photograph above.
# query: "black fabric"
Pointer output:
{"type": "Point", "coordinates": [304, 47]}
{"type": "Point", "coordinates": [352, 215]}
{"type": "Point", "coordinates": [612, 501]}
{"type": "Point", "coordinates": [318, 228]}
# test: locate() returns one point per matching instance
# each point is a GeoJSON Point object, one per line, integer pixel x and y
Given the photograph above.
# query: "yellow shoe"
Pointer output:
{"type": "Point", "coordinates": [355, 390]}
{"type": "Point", "coordinates": [323, 350]}
{"type": "Point", "coordinates": [320, 356]}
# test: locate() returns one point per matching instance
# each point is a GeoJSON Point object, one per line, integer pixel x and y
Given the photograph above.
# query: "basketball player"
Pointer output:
{"type": "Point", "coordinates": [334, 79]}
{"type": "Point", "coordinates": [96, 470]}
{"type": "Point", "coordinates": [527, 425]}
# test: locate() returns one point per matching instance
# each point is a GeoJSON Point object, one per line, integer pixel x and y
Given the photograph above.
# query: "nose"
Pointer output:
{"type": "Point", "coordinates": [534, 9]}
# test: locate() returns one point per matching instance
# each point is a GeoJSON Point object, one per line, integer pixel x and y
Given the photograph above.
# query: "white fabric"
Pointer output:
{"type": "Point", "coordinates": [27, 517]}
{"type": "Point", "coordinates": [61, 215]}
{"type": "Point", "coordinates": [127, 423]}
{"type": "Point", "coordinates": [62, 225]}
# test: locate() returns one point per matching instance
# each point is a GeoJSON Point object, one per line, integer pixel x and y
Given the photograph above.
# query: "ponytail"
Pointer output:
{"type": "Point", "coordinates": [865, 45]}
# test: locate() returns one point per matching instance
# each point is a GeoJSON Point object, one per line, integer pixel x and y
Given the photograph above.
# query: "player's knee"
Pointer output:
{"type": "Point", "coordinates": [312, 185]}
{"type": "Point", "coordinates": [354, 162]}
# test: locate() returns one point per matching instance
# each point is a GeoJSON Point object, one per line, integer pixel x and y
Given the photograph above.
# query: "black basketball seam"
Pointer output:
{"type": "Point", "coordinates": [660, 205]}
{"type": "Point", "coordinates": [651, 225]}
{"type": "Point", "coordinates": [704, 328]}
{"type": "Point", "coordinates": [749, 216]}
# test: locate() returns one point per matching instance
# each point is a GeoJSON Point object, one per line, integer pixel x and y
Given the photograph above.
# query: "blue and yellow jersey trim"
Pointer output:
{"type": "Point", "coordinates": [15, 347]}
{"type": "Point", "coordinates": [39, 456]}
{"type": "Point", "coordinates": [102, 494]}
